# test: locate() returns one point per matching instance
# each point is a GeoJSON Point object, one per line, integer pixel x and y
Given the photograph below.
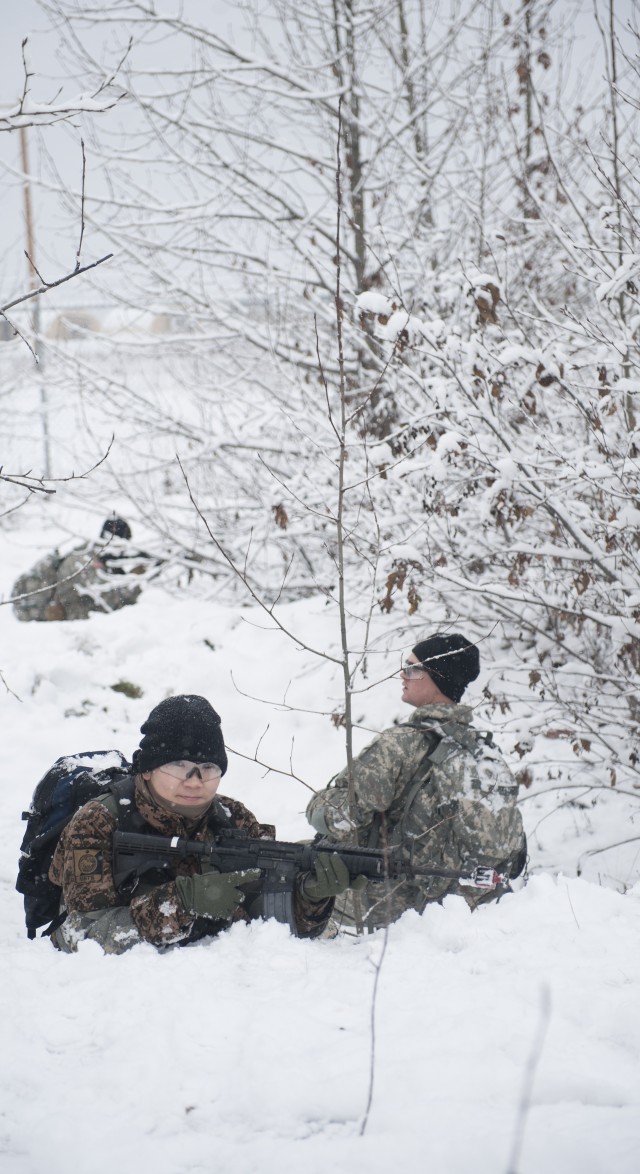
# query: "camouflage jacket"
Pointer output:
{"type": "Point", "coordinates": [81, 582]}
{"type": "Point", "coordinates": [82, 867]}
{"type": "Point", "coordinates": [416, 785]}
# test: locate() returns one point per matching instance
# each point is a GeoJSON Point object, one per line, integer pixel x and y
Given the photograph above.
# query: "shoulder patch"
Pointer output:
{"type": "Point", "coordinates": [88, 864]}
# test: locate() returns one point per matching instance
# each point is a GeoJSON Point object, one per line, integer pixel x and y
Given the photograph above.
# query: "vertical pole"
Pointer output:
{"type": "Point", "coordinates": [33, 276]}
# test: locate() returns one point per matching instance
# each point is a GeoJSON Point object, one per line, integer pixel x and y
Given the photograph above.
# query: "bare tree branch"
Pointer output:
{"type": "Point", "coordinates": [47, 285]}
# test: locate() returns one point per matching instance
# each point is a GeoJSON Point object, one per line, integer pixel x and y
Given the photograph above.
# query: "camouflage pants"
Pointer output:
{"type": "Point", "coordinates": [383, 902]}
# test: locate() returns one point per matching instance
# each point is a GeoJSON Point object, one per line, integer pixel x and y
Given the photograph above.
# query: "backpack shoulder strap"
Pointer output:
{"type": "Point", "coordinates": [403, 801]}
{"type": "Point", "coordinates": [421, 775]}
{"type": "Point", "coordinates": [120, 802]}
{"type": "Point", "coordinates": [467, 737]}
{"type": "Point", "coordinates": [440, 737]}
{"type": "Point", "coordinates": [219, 817]}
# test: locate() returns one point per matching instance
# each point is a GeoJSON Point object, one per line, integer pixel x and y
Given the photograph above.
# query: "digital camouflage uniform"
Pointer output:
{"type": "Point", "coordinates": [453, 811]}
{"type": "Point", "coordinates": [79, 583]}
{"type": "Point", "coordinates": [82, 867]}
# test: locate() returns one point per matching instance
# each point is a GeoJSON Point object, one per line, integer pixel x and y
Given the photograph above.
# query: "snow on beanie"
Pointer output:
{"type": "Point", "coordinates": [183, 727]}
{"type": "Point", "coordinates": [451, 661]}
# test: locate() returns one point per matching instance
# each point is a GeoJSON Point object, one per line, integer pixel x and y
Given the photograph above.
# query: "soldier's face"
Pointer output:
{"type": "Point", "coordinates": [420, 689]}
{"type": "Point", "coordinates": [185, 783]}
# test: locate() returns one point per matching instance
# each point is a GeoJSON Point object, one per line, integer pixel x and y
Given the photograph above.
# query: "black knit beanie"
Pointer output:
{"type": "Point", "coordinates": [184, 727]}
{"type": "Point", "coordinates": [451, 661]}
{"type": "Point", "coordinates": [116, 526]}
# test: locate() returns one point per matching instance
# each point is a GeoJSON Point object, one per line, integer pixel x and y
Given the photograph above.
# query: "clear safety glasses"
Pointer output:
{"type": "Point", "coordinates": [186, 770]}
{"type": "Point", "coordinates": [412, 670]}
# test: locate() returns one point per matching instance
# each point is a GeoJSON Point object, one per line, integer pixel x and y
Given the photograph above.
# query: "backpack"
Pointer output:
{"type": "Point", "coordinates": [70, 783]}
{"type": "Point", "coordinates": [489, 780]}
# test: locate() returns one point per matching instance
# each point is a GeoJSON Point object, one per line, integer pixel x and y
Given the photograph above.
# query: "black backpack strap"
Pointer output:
{"type": "Point", "coordinates": [120, 802]}
{"type": "Point", "coordinates": [51, 928]}
{"type": "Point", "coordinates": [218, 819]}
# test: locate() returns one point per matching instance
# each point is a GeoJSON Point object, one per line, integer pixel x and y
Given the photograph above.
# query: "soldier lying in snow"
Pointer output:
{"type": "Point", "coordinates": [72, 586]}
{"type": "Point", "coordinates": [434, 785]}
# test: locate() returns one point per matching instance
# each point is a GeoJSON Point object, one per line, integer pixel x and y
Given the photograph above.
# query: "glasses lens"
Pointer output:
{"type": "Point", "coordinates": [412, 670]}
{"type": "Point", "coordinates": [182, 770]}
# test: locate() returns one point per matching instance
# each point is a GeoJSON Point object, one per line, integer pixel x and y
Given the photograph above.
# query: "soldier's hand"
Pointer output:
{"type": "Point", "coordinates": [329, 877]}
{"type": "Point", "coordinates": [215, 894]}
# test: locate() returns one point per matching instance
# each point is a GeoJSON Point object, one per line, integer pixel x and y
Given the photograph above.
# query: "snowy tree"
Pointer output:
{"type": "Point", "coordinates": [526, 398]}
{"type": "Point", "coordinates": [488, 308]}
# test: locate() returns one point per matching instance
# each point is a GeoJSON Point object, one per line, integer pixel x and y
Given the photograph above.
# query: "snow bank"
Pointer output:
{"type": "Point", "coordinates": [252, 1052]}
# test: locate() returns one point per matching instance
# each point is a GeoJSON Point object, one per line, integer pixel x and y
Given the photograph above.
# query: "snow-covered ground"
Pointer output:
{"type": "Point", "coordinates": [253, 1052]}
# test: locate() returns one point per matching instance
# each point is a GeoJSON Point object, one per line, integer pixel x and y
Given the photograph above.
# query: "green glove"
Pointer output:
{"type": "Point", "coordinates": [215, 894]}
{"type": "Point", "coordinates": [330, 877]}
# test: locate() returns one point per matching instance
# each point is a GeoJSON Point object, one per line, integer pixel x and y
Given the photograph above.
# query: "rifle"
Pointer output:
{"type": "Point", "coordinates": [280, 862]}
